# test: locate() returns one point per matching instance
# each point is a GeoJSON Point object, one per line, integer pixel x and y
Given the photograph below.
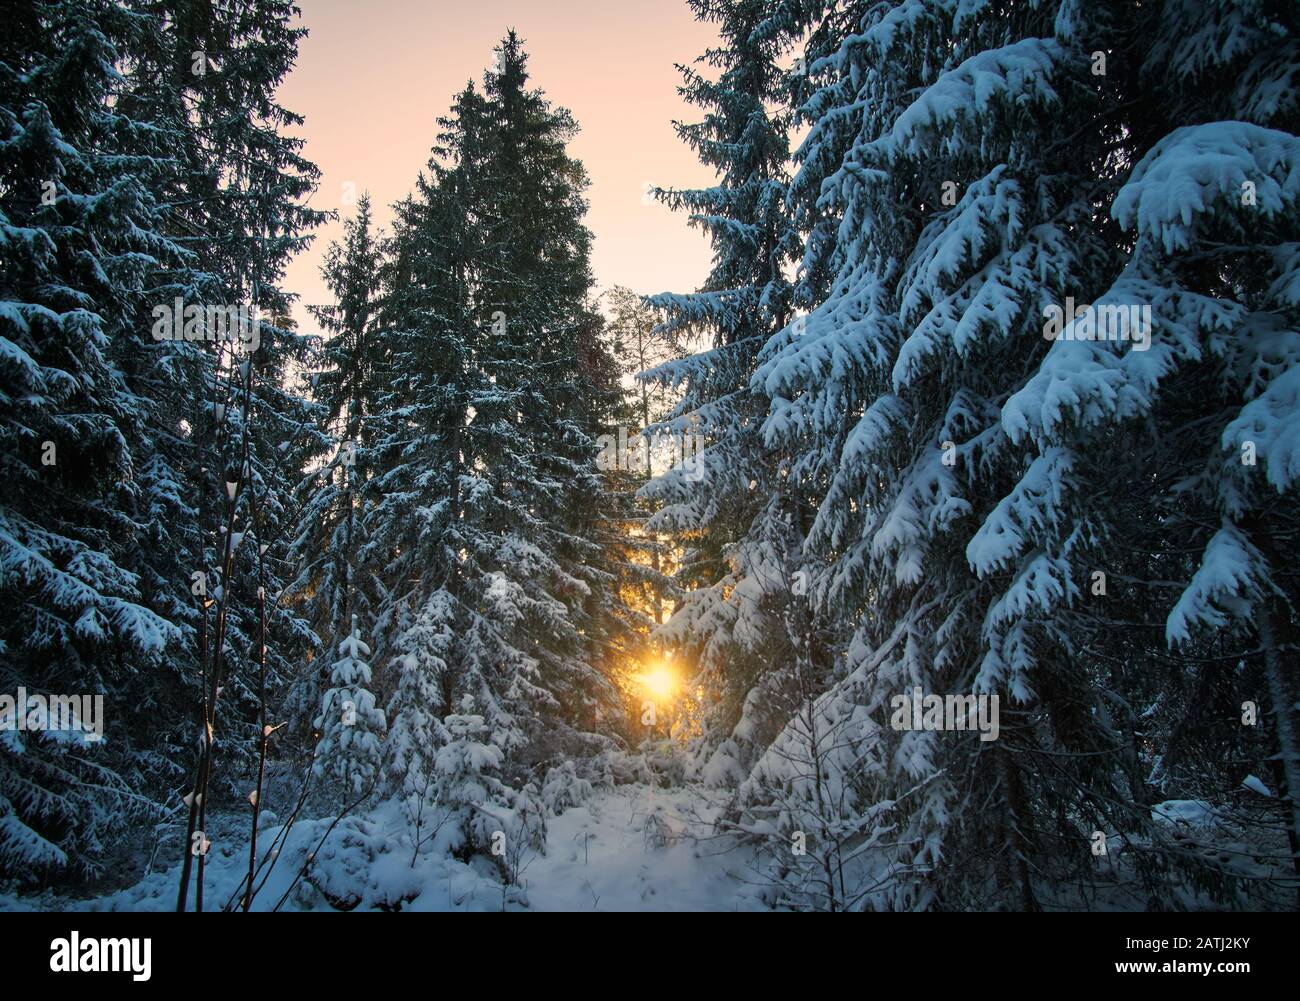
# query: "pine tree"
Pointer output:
{"type": "Point", "coordinates": [176, 184]}
{"type": "Point", "coordinates": [80, 228]}
{"type": "Point", "coordinates": [1195, 412]}
{"type": "Point", "coordinates": [349, 753]}
{"type": "Point", "coordinates": [231, 432]}
{"type": "Point", "coordinates": [950, 228]}
{"type": "Point", "coordinates": [486, 490]}
{"type": "Point", "coordinates": [550, 369]}
{"type": "Point", "coordinates": [985, 481]}
{"type": "Point", "coordinates": [332, 526]}
{"type": "Point", "coordinates": [235, 188]}
{"type": "Point", "coordinates": [481, 808]}
{"type": "Point", "coordinates": [732, 492]}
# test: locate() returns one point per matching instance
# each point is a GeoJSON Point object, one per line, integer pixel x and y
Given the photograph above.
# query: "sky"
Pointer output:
{"type": "Point", "coordinates": [373, 76]}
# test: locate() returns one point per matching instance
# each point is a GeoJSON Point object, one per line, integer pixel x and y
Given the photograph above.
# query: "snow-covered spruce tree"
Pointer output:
{"type": "Point", "coordinates": [1254, 202]}
{"type": "Point", "coordinates": [968, 162]}
{"type": "Point", "coordinates": [244, 233]}
{"type": "Point", "coordinates": [352, 727]}
{"type": "Point", "coordinates": [416, 542]}
{"type": "Point", "coordinates": [414, 492]}
{"type": "Point", "coordinates": [1196, 406]}
{"type": "Point", "coordinates": [416, 733]}
{"type": "Point", "coordinates": [480, 807]}
{"type": "Point", "coordinates": [724, 495]}
{"type": "Point", "coordinates": [80, 229]}
{"type": "Point", "coordinates": [484, 482]}
{"type": "Point", "coordinates": [224, 414]}
{"type": "Point", "coordinates": [332, 526]}
{"type": "Point", "coordinates": [955, 224]}
{"type": "Point", "coordinates": [553, 391]}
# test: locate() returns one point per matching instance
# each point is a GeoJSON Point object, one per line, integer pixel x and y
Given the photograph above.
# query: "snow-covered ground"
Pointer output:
{"type": "Point", "coordinates": [612, 854]}
{"type": "Point", "coordinates": [631, 848]}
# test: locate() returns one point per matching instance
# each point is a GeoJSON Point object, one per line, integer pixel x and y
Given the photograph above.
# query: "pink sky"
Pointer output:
{"type": "Point", "coordinates": [373, 76]}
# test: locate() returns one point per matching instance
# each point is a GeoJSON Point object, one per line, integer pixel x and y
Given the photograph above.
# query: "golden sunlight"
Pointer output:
{"type": "Point", "coordinates": [659, 682]}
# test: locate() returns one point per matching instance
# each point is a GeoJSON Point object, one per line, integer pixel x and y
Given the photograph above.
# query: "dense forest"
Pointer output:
{"type": "Point", "coordinates": [938, 551]}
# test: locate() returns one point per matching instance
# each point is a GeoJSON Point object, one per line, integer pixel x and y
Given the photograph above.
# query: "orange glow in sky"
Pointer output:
{"type": "Point", "coordinates": [372, 78]}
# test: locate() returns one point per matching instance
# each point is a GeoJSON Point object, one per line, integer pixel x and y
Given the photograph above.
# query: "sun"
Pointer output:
{"type": "Point", "coordinates": [659, 682]}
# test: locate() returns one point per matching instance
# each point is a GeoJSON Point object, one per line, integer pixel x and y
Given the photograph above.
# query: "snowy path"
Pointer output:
{"type": "Point", "coordinates": [621, 868]}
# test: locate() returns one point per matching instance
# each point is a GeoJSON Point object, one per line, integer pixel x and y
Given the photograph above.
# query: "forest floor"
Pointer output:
{"type": "Point", "coordinates": [630, 848]}
{"type": "Point", "coordinates": [635, 849]}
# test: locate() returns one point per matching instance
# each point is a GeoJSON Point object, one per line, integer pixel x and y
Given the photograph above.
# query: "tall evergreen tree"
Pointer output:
{"type": "Point", "coordinates": [1207, 204]}
{"type": "Point", "coordinates": [731, 499]}
{"type": "Point", "coordinates": [233, 431]}
{"type": "Point", "coordinates": [331, 529]}
{"type": "Point", "coordinates": [485, 489]}
{"type": "Point", "coordinates": [80, 229]}
{"type": "Point", "coordinates": [989, 484]}
{"type": "Point", "coordinates": [177, 184]}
